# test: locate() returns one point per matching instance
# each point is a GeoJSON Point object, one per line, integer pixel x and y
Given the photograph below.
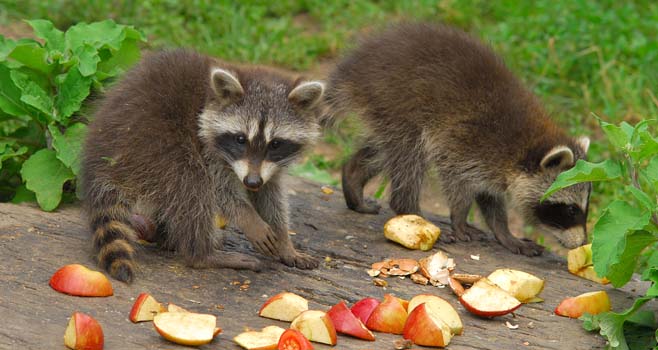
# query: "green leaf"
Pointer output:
{"type": "Point", "coordinates": [32, 55]}
{"type": "Point", "coordinates": [651, 274]}
{"type": "Point", "coordinates": [647, 146]}
{"type": "Point", "coordinates": [652, 172]}
{"type": "Point", "coordinates": [642, 198]}
{"type": "Point", "coordinates": [611, 324]}
{"type": "Point", "coordinates": [23, 195]}
{"type": "Point", "coordinates": [6, 47]}
{"type": "Point", "coordinates": [53, 37]}
{"type": "Point", "coordinates": [618, 136]}
{"type": "Point", "coordinates": [88, 56]}
{"type": "Point", "coordinates": [585, 171]}
{"type": "Point", "coordinates": [97, 34]}
{"type": "Point", "coordinates": [10, 94]}
{"type": "Point", "coordinates": [310, 171]}
{"type": "Point", "coordinates": [32, 94]}
{"type": "Point", "coordinates": [69, 144]}
{"type": "Point", "coordinates": [121, 60]}
{"type": "Point", "coordinates": [615, 238]}
{"type": "Point", "coordinates": [7, 151]}
{"type": "Point", "coordinates": [45, 175]}
{"type": "Point", "coordinates": [72, 91]}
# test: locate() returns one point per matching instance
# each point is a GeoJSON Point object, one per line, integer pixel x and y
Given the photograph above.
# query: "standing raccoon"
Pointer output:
{"type": "Point", "coordinates": [188, 137]}
{"type": "Point", "coordinates": [433, 95]}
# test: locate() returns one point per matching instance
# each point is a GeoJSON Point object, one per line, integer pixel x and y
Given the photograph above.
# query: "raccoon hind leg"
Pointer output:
{"type": "Point", "coordinates": [355, 175]}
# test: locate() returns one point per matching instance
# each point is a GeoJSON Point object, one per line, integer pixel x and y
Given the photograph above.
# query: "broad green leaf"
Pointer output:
{"type": "Point", "coordinates": [53, 37]}
{"type": "Point", "coordinates": [613, 239]}
{"type": "Point", "coordinates": [10, 94]}
{"type": "Point", "coordinates": [45, 175]}
{"type": "Point", "coordinates": [69, 144]}
{"type": "Point", "coordinates": [629, 253]}
{"type": "Point", "coordinates": [642, 198]}
{"type": "Point", "coordinates": [23, 195]}
{"type": "Point", "coordinates": [32, 94]}
{"type": "Point", "coordinates": [97, 34]}
{"type": "Point", "coordinates": [644, 318]}
{"type": "Point", "coordinates": [646, 147]}
{"type": "Point", "coordinates": [639, 336]}
{"type": "Point", "coordinates": [585, 171]}
{"type": "Point", "coordinates": [88, 56]}
{"type": "Point", "coordinates": [7, 151]}
{"type": "Point", "coordinates": [6, 47]}
{"type": "Point", "coordinates": [121, 60]}
{"type": "Point", "coordinates": [651, 274]}
{"type": "Point", "coordinates": [618, 136]}
{"type": "Point", "coordinates": [611, 324]}
{"type": "Point", "coordinates": [72, 91]}
{"type": "Point", "coordinates": [32, 55]}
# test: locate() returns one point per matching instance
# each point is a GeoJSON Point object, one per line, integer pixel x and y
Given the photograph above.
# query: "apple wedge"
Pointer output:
{"type": "Point", "coordinates": [442, 309]}
{"type": "Point", "coordinates": [412, 231]}
{"type": "Point", "coordinates": [316, 326]}
{"type": "Point", "coordinates": [293, 339]}
{"type": "Point", "coordinates": [425, 327]}
{"type": "Point", "coordinates": [579, 263]}
{"type": "Point", "coordinates": [345, 322]}
{"type": "Point", "coordinates": [591, 303]}
{"type": "Point", "coordinates": [486, 299]}
{"type": "Point", "coordinates": [284, 307]}
{"type": "Point", "coordinates": [78, 280]}
{"type": "Point", "coordinates": [363, 308]}
{"type": "Point", "coordinates": [145, 308]}
{"type": "Point", "coordinates": [175, 308]}
{"type": "Point", "coordinates": [186, 328]}
{"type": "Point", "coordinates": [388, 317]}
{"type": "Point", "coordinates": [266, 339]}
{"type": "Point", "coordinates": [83, 333]}
{"type": "Point", "coordinates": [521, 285]}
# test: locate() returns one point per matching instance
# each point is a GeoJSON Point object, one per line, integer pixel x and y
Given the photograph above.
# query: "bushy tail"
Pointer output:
{"type": "Point", "coordinates": [113, 235]}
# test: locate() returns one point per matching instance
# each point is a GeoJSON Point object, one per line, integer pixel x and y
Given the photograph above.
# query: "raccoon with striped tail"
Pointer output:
{"type": "Point", "coordinates": [187, 137]}
{"type": "Point", "coordinates": [432, 95]}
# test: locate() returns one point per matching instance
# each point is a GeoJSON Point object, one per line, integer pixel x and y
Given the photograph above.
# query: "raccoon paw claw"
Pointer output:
{"type": "Point", "coordinates": [527, 248]}
{"type": "Point", "coordinates": [462, 236]}
{"type": "Point", "coordinates": [300, 261]}
{"type": "Point", "coordinates": [368, 206]}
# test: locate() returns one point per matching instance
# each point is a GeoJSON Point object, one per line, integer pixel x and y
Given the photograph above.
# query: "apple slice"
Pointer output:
{"type": "Point", "coordinates": [579, 263]}
{"type": "Point", "coordinates": [521, 285]}
{"type": "Point", "coordinates": [293, 339]}
{"type": "Point", "coordinates": [175, 308]}
{"type": "Point", "coordinates": [145, 308]}
{"type": "Point", "coordinates": [266, 339]}
{"type": "Point", "coordinates": [388, 317]}
{"type": "Point", "coordinates": [412, 231]}
{"type": "Point", "coordinates": [284, 307]}
{"type": "Point", "coordinates": [425, 327]}
{"type": "Point", "coordinates": [443, 309]}
{"type": "Point", "coordinates": [591, 303]}
{"type": "Point", "coordinates": [83, 333]}
{"type": "Point", "coordinates": [186, 328]}
{"type": "Point", "coordinates": [78, 280]}
{"type": "Point", "coordinates": [345, 322]}
{"type": "Point", "coordinates": [363, 308]}
{"type": "Point", "coordinates": [316, 326]}
{"type": "Point", "coordinates": [486, 299]}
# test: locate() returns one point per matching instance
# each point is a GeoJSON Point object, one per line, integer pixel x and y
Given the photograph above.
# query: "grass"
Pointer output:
{"type": "Point", "coordinates": [581, 57]}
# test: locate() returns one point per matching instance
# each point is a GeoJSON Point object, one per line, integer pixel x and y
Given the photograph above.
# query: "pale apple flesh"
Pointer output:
{"type": "Point", "coordinates": [316, 326]}
{"type": "Point", "coordinates": [488, 300]}
{"type": "Point", "coordinates": [521, 285]}
{"type": "Point", "coordinates": [78, 280]}
{"type": "Point", "coordinates": [388, 317]}
{"type": "Point", "coordinates": [145, 308]}
{"type": "Point", "coordinates": [186, 328]}
{"type": "Point", "coordinates": [579, 263]}
{"type": "Point", "coordinates": [442, 308]}
{"type": "Point", "coordinates": [284, 307]}
{"type": "Point", "coordinates": [363, 308]}
{"type": "Point", "coordinates": [412, 231]}
{"type": "Point", "coordinates": [425, 327]}
{"type": "Point", "coordinates": [266, 339]}
{"type": "Point", "coordinates": [83, 333]}
{"type": "Point", "coordinates": [175, 308]}
{"type": "Point", "coordinates": [592, 303]}
{"type": "Point", "coordinates": [345, 322]}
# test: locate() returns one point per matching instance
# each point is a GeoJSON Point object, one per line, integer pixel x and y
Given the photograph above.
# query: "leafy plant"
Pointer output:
{"type": "Point", "coordinates": [625, 235]}
{"type": "Point", "coordinates": [43, 83]}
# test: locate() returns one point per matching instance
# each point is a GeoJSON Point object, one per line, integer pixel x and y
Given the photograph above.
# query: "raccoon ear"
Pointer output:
{"type": "Point", "coordinates": [306, 94]}
{"type": "Point", "coordinates": [559, 157]}
{"type": "Point", "coordinates": [225, 85]}
{"type": "Point", "coordinates": [583, 142]}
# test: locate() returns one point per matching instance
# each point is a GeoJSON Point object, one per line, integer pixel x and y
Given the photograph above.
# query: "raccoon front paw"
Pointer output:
{"type": "Point", "coordinates": [263, 239]}
{"type": "Point", "coordinates": [462, 235]}
{"type": "Point", "coordinates": [526, 247]}
{"type": "Point", "coordinates": [300, 261]}
{"type": "Point", "coordinates": [231, 260]}
{"type": "Point", "coordinates": [368, 206]}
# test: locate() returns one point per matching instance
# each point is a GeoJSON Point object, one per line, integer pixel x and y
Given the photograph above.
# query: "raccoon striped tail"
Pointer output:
{"type": "Point", "coordinates": [113, 240]}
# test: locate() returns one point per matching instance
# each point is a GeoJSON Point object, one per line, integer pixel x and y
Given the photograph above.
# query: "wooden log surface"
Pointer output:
{"type": "Point", "coordinates": [34, 244]}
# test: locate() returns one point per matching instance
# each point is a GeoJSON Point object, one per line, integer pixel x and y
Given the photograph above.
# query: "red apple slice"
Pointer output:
{"type": "Point", "coordinates": [145, 308]}
{"type": "Point", "coordinates": [266, 339]}
{"type": "Point", "coordinates": [425, 327]}
{"type": "Point", "coordinates": [83, 333]}
{"type": "Point", "coordinates": [186, 328]}
{"type": "Point", "coordinates": [78, 280]}
{"type": "Point", "coordinates": [388, 317]}
{"type": "Point", "coordinates": [443, 309]}
{"type": "Point", "coordinates": [316, 326]}
{"type": "Point", "coordinates": [521, 285]}
{"type": "Point", "coordinates": [488, 300]}
{"type": "Point", "coordinates": [345, 322]}
{"type": "Point", "coordinates": [293, 339]}
{"type": "Point", "coordinates": [591, 303]}
{"type": "Point", "coordinates": [284, 307]}
{"type": "Point", "coordinates": [363, 308]}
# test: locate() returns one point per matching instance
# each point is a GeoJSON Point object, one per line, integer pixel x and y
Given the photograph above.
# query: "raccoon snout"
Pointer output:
{"type": "Point", "coordinates": [253, 182]}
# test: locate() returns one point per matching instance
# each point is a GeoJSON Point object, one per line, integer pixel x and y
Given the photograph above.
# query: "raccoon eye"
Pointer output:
{"type": "Point", "coordinates": [572, 210]}
{"type": "Point", "coordinates": [275, 144]}
{"type": "Point", "coordinates": [240, 139]}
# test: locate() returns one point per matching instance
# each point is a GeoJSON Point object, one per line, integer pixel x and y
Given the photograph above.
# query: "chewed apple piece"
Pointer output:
{"type": "Point", "coordinates": [284, 307]}
{"type": "Point", "coordinates": [589, 274]}
{"type": "Point", "coordinates": [266, 339]}
{"type": "Point", "coordinates": [293, 339]}
{"type": "Point", "coordinates": [145, 308]}
{"type": "Point", "coordinates": [186, 328]}
{"type": "Point", "coordinates": [388, 317]}
{"type": "Point", "coordinates": [437, 267]}
{"type": "Point", "coordinates": [175, 308]}
{"type": "Point", "coordinates": [345, 322]}
{"type": "Point", "coordinates": [316, 326]}
{"type": "Point", "coordinates": [486, 299]}
{"type": "Point", "coordinates": [579, 263]}
{"type": "Point", "coordinates": [442, 308]}
{"type": "Point", "coordinates": [363, 308]}
{"type": "Point", "coordinates": [456, 287]}
{"type": "Point", "coordinates": [412, 231]}
{"type": "Point", "coordinates": [592, 303]}
{"type": "Point", "coordinates": [78, 280]}
{"type": "Point", "coordinates": [425, 327]}
{"type": "Point", "coordinates": [83, 333]}
{"type": "Point", "coordinates": [521, 285]}
{"type": "Point", "coordinates": [466, 278]}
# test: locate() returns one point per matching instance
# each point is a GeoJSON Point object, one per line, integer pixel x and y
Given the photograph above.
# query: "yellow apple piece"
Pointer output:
{"type": "Point", "coordinates": [591, 303]}
{"type": "Point", "coordinates": [425, 327]}
{"type": "Point", "coordinates": [442, 309]}
{"type": "Point", "coordinates": [83, 333]}
{"type": "Point", "coordinates": [145, 308]}
{"type": "Point", "coordinates": [175, 308]}
{"type": "Point", "coordinates": [579, 263]}
{"type": "Point", "coordinates": [186, 328]}
{"type": "Point", "coordinates": [412, 231]}
{"type": "Point", "coordinates": [266, 339]}
{"type": "Point", "coordinates": [316, 326]}
{"type": "Point", "coordinates": [521, 285]}
{"type": "Point", "coordinates": [284, 307]}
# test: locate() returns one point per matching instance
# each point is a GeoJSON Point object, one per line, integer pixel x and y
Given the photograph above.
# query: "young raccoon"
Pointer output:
{"type": "Point", "coordinates": [433, 95]}
{"type": "Point", "coordinates": [189, 137]}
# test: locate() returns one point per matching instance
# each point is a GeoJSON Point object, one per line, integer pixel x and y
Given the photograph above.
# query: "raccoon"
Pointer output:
{"type": "Point", "coordinates": [187, 137]}
{"type": "Point", "coordinates": [432, 95]}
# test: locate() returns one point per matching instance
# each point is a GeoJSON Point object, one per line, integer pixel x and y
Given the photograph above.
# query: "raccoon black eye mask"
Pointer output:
{"type": "Point", "coordinates": [236, 145]}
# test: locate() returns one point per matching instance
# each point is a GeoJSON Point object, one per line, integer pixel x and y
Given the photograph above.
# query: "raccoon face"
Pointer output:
{"type": "Point", "coordinates": [260, 125]}
{"type": "Point", "coordinates": [564, 214]}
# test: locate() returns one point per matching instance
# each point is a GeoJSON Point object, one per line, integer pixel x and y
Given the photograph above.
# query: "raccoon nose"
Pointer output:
{"type": "Point", "coordinates": [253, 182]}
